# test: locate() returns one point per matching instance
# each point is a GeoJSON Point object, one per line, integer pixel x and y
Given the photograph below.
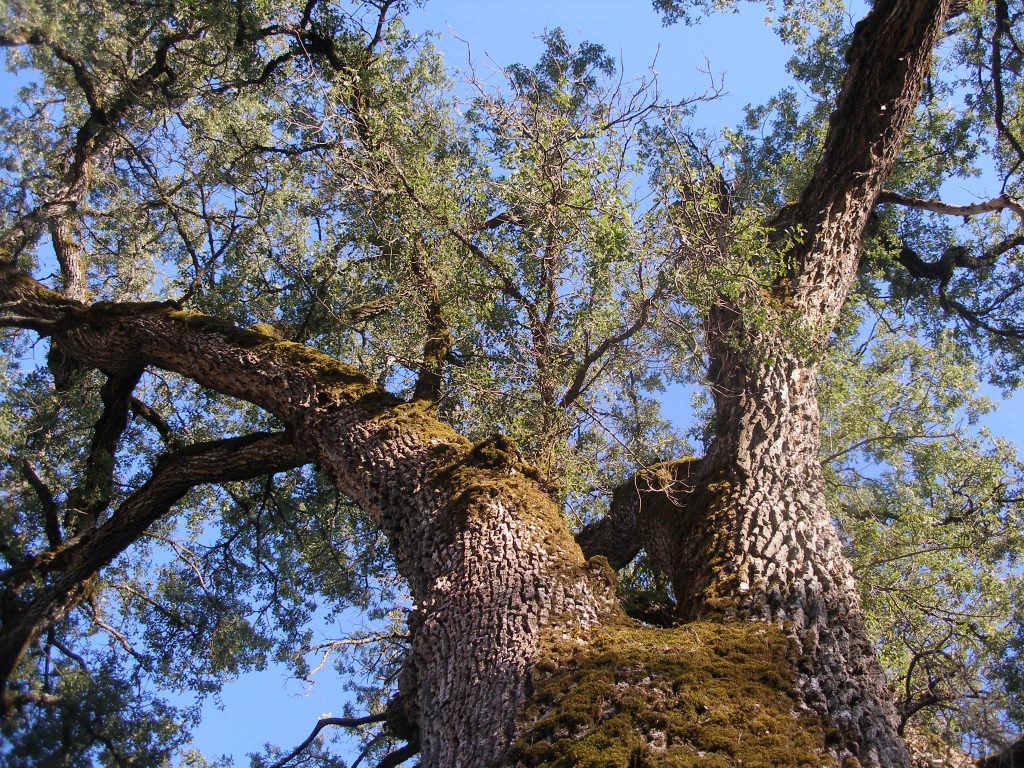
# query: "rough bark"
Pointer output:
{"type": "Point", "coordinates": [767, 550]}
{"type": "Point", "coordinates": [751, 537]}
{"type": "Point", "coordinates": [763, 545]}
{"type": "Point", "coordinates": [493, 572]}
{"type": "Point", "coordinates": [489, 561]}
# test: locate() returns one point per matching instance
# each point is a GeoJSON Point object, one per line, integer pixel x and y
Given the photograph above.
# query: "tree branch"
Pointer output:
{"type": "Point", "coordinates": [81, 557]}
{"type": "Point", "coordinates": [1002, 27]}
{"type": "Point", "coordinates": [640, 515]}
{"type": "Point", "coordinates": [93, 137]}
{"type": "Point", "coordinates": [398, 756]}
{"type": "Point", "coordinates": [92, 495]}
{"type": "Point", "coordinates": [46, 500]}
{"type": "Point", "coordinates": [323, 722]}
{"type": "Point", "coordinates": [888, 59]}
{"type": "Point", "coordinates": [579, 382]}
{"type": "Point", "coordinates": [284, 378]}
{"type": "Point", "coordinates": [439, 342]}
{"type": "Point", "coordinates": [1002, 203]}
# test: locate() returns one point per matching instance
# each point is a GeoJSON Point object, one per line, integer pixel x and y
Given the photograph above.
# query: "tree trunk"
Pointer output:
{"type": "Point", "coordinates": [519, 653]}
{"type": "Point", "coordinates": [744, 536]}
{"type": "Point", "coordinates": [764, 547]}
{"type": "Point", "coordinates": [491, 566]}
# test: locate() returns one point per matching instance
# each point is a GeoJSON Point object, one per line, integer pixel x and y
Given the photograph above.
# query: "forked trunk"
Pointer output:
{"type": "Point", "coordinates": [519, 654]}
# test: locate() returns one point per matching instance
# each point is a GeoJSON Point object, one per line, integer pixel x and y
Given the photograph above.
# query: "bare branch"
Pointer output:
{"type": "Point", "coordinates": [323, 722]}
{"type": "Point", "coordinates": [1002, 203]}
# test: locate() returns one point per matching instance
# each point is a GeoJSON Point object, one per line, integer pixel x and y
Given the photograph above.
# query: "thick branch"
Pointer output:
{"type": "Point", "coordinates": [79, 559]}
{"type": "Point", "coordinates": [158, 422]}
{"type": "Point", "coordinates": [959, 256]}
{"type": "Point", "coordinates": [69, 257]}
{"type": "Point", "coordinates": [438, 344]}
{"type": "Point", "coordinates": [888, 60]}
{"type": "Point", "coordinates": [642, 514]}
{"type": "Point", "coordinates": [397, 757]}
{"type": "Point", "coordinates": [281, 377]}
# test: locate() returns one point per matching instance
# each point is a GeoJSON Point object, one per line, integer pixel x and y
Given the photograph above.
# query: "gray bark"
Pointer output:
{"type": "Point", "coordinates": [752, 538]}
{"type": "Point", "coordinates": [490, 564]}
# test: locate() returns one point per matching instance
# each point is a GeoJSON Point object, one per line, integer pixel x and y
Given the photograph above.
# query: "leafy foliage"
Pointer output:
{"type": "Point", "coordinates": [534, 256]}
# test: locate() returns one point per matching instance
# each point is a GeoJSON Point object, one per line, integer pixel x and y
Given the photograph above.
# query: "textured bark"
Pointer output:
{"type": "Point", "coordinates": [767, 550]}
{"type": "Point", "coordinates": [69, 257]}
{"type": "Point", "coordinates": [744, 534]}
{"type": "Point", "coordinates": [759, 543]}
{"type": "Point", "coordinates": [889, 57]}
{"type": "Point", "coordinates": [489, 561]}
{"type": "Point", "coordinates": [644, 514]}
{"type": "Point", "coordinates": [751, 539]}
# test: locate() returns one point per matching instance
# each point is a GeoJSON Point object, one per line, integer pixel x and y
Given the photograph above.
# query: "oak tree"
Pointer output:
{"type": "Point", "coordinates": [300, 325]}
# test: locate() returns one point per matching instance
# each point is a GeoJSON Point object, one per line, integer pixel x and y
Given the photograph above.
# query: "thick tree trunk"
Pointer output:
{"type": "Point", "coordinates": [757, 542]}
{"type": "Point", "coordinates": [491, 567]}
{"type": "Point", "coordinates": [501, 590]}
{"type": "Point", "coordinates": [490, 563]}
{"type": "Point", "coordinates": [504, 601]}
{"type": "Point", "coordinates": [765, 548]}
{"type": "Point", "coordinates": [744, 536]}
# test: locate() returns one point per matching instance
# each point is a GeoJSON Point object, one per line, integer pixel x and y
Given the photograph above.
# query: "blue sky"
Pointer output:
{"type": "Point", "coordinates": [737, 47]}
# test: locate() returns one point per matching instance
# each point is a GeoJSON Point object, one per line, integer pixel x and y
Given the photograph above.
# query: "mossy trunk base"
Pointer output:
{"type": "Point", "coordinates": [702, 694]}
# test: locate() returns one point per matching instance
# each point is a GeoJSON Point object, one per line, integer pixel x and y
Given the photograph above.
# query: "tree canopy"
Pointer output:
{"type": "Point", "coordinates": [533, 259]}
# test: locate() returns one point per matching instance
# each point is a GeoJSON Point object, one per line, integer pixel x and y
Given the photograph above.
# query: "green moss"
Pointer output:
{"type": "Point", "coordinates": [329, 373]}
{"type": "Point", "coordinates": [419, 417]}
{"type": "Point", "coordinates": [496, 452]}
{"type": "Point", "coordinates": [702, 694]}
{"type": "Point", "coordinates": [268, 330]}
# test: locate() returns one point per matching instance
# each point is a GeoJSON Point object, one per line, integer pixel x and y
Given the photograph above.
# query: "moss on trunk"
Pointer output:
{"type": "Point", "coordinates": [702, 694]}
